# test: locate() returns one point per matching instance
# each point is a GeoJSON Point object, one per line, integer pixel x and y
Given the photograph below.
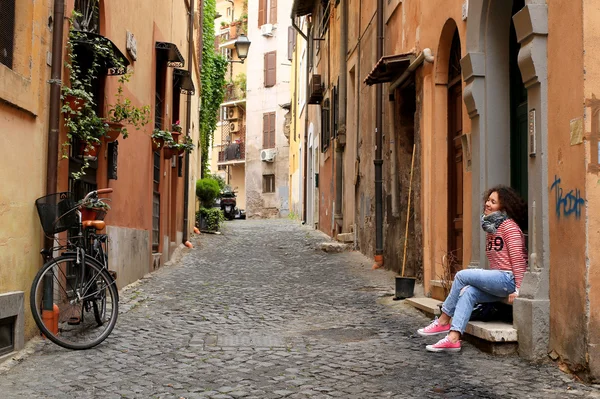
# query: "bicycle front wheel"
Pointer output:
{"type": "Point", "coordinates": [86, 297]}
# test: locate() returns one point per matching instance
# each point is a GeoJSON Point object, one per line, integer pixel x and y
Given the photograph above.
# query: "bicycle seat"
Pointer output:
{"type": "Point", "coordinates": [96, 224]}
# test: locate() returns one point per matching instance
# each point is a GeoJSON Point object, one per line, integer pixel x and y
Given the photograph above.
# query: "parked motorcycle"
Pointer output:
{"type": "Point", "coordinates": [228, 203]}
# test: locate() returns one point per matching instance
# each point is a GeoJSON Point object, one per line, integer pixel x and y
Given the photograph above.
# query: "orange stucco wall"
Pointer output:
{"type": "Point", "coordinates": [591, 42]}
{"type": "Point", "coordinates": [565, 163]}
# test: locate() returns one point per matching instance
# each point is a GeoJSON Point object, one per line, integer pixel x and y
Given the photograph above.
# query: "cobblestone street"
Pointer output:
{"type": "Point", "coordinates": [260, 312]}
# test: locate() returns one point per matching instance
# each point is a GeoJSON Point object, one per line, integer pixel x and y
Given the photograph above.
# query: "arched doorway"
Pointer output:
{"type": "Point", "coordinates": [500, 110]}
{"type": "Point", "coordinates": [455, 158]}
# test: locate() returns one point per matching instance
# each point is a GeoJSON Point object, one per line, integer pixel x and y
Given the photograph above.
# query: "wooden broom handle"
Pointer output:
{"type": "Point", "coordinates": [412, 165]}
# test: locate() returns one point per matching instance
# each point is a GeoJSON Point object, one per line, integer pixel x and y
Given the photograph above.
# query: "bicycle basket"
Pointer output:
{"type": "Point", "coordinates": [57, 212]}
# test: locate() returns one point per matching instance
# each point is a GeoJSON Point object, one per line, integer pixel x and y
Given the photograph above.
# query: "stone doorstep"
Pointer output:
{"type": "Point", "coordinates": [345, 237]}
{"type": "Point", "coordinates": [491, 331]}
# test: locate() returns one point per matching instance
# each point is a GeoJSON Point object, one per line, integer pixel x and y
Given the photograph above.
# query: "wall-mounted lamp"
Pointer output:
{"type": "Point", "coordinates": [242, 44]}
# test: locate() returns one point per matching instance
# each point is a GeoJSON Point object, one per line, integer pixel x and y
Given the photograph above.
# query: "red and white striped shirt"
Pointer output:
{"type": "Point", "coordinates": [506, 250]}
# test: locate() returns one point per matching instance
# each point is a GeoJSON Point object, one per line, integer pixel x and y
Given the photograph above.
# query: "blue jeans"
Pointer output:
{"type": "Point", "coordinates": [480, 286]}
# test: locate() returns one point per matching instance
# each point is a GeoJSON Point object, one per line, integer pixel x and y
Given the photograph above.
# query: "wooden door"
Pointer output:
{"type": "Point", "coordinates": [455, 159]}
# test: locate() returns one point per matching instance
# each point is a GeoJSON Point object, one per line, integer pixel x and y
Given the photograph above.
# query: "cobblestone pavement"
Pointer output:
{"type": "Point", "coordinates": [258, 312]}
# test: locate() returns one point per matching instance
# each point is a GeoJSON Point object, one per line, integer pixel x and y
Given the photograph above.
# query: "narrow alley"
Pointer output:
{"type": "Point", "coordinates": [261, 312]}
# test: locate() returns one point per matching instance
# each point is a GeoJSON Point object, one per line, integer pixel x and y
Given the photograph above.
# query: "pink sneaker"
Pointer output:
{"type": "Point", "coordinates": [434, 328]}
{"type": "Point", "coordinates": [444, 345]}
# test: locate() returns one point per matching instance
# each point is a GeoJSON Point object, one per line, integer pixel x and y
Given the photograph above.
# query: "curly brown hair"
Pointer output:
{"type": "Point", "coordinates": [511, 203]}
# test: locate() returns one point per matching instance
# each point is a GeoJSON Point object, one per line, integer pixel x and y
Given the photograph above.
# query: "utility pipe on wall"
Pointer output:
{"type": "Point", "coordinates": [188, 117]}
{"type": "Point", "coordinates": [305, 144]}
{"type": "Point", "coordinates": [341, 135]}
{"type": "Point", "coordinates": [378, 161]}
{"type": "Point", "coordinates": [54, 111]}
{"type": "Point", "coordinates": [53, 131]}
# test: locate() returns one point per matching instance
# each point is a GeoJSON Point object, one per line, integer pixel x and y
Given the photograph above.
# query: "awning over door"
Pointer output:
{"type": "Point", "coordinates": [170, 53]}
{"type": "Point", "coordinates": [182, 81]}
{"type": "Point", "coordinates": [389, 67]}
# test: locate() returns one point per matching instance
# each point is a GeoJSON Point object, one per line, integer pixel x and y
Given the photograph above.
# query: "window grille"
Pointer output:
{"type": "Point", "coordinates": [7, 32]}
{"type": "Point", "coordinates": [325, 126]}
{"type": "Point", "coordinates": [268, 183]}
{"type": "Point", "coordinates": [88, 16]}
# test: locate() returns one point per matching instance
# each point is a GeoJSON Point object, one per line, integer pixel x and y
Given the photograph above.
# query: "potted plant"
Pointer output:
{"type": "Point", "coordinates": [208, 218]}
{"type": "Point", "coordinates": [176, 130]}
{"type": "Point", "coordinates": [175, 148]}
{"type": "Point", "coordinates": [159, 138]}
{"type": "Point", "coordinates": [123, 112]}
{"type": "Point", "coordinates": [95, 210]}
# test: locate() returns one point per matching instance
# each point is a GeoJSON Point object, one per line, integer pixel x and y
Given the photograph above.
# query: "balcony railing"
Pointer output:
{"type": "Point", "coordinates": [233, 152]}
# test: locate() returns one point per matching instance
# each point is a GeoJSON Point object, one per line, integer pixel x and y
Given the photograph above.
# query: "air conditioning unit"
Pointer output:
{"type": "Point", "coordinates": [267, 155]}
{"type": "Point", "coordinates": [266, 30]}
{"type": "Point", "coordinates": [315, 95]}
{"type": "Point", "coordinates": [233, 113]}
{"type": "Point", "coordinates": [234, 127]}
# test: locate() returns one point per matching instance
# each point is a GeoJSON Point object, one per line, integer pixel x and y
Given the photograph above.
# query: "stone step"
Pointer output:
{"type": "Point", "coordinates": [491, 336]}
{"type": "Point", "coordinates": [345, 237]}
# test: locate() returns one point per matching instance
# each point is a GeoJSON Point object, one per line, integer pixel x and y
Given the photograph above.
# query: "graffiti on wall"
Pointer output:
{"type": "Point", "coordinates": [568, 203]}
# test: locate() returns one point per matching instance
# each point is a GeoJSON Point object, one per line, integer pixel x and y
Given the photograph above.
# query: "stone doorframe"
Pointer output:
{"type": "Point", "coordinates": [487, 96]}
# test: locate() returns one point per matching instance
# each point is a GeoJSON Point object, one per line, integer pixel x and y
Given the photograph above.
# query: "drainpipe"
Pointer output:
{"type": "Point", "coordinates": [53, 131]}
{"type": "Point", "coordinates": [188, 120]}
{"type": "Point", "coordinates": [378, 148]}
{"type": "Point", "coordinates": [341, 135]}
{"type": "Point", "coordinates": [54, 111]}
{"type": "Point", "coordinates": [305, 144]}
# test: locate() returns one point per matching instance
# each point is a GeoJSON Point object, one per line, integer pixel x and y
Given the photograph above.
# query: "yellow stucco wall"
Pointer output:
{"type": "Point", "coordinates": [24, 128]}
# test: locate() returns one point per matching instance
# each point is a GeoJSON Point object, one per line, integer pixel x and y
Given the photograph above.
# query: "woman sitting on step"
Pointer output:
{"type": "Point", "coordinates": [504, 216]}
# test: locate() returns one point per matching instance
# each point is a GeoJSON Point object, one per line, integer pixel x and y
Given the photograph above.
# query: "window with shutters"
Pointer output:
{"type": "Point", "coordinates": [267, 8]}
{"type": "Point", "coordinates": [325, 126]}
{"type": "Point", "coordinates": [7, 32]}
{"type": "Point", "coordinates": [270, 66]}
{"type": "Point", "coordinates": [268, 183]}
{"type": "Point", "coordinates": [269, 130]}
{"type": "Point", "coordinates": [262, 12]}
{"type": "Point", "coordinates": [291, 42]}
{"type": "Point", "coordinates": [273, 12]}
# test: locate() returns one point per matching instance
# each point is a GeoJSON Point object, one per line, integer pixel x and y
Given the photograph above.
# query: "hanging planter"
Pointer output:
{"type": "Point", "coordinates": [170, 152]}
{"type": "Point", "coordinates": [176, 136]}
{"type": "Point", "coordinates": [76, 104]}
{"type": "Point", "coordinates": [89, 151]}
{"type": "Point", "coordinates": [157, 144]}
{"type": "Point", "coordinates": [113, 132]}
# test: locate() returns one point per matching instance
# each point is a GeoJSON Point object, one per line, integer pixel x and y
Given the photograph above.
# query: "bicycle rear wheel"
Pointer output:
{"type": "Point", "coordinates": [86, 298]}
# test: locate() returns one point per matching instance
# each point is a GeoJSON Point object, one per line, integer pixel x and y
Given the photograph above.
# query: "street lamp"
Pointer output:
{"type": "Point", "coordinates": [242, 44]}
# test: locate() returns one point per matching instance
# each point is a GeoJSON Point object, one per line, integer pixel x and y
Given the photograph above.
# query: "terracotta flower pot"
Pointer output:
{"type": "Point", "coordinates": [92, 152]}
{"type": "Point", "coordinates": [114, 131]}
{"type": "Point", "coordinates": [157, 144]}
{"type": "Point", "coordinates": [170, 152]}
{"type": "Point", "coordinates": [75, 103]}
{"type": "Point", "coordinates": [176, 136]}
{"type": "Point", "coordinates": [88, 214]}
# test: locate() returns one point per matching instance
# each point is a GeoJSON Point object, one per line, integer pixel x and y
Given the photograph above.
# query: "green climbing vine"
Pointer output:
{"type": "Point", "coordinates": [214, 66]}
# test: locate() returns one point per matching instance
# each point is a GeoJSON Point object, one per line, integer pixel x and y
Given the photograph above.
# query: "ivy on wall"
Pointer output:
{"type": "Point", "coordinates": [214, 66]}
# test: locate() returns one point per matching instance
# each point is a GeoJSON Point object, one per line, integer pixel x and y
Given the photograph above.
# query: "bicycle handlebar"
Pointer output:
{"type": "Point", "coordinates": [96, 192]}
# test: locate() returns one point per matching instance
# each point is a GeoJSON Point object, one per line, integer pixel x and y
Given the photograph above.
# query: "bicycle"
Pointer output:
{"type": "Point", "coordinates": [74, 298]}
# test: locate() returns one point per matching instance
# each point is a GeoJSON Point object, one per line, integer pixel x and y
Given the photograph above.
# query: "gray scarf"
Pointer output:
{"type": "Point", "coordinates": [491, 222]}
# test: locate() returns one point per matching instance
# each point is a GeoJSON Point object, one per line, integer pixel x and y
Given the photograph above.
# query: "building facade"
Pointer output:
{"type": "Point", "coordinates": [147, 220]}
{"type": "Point", "coordinates": [268, 99]}
{"type": "Point", "coordinates": [228, 155]}
{"type": "Point", "coordinates": [482, 93]}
